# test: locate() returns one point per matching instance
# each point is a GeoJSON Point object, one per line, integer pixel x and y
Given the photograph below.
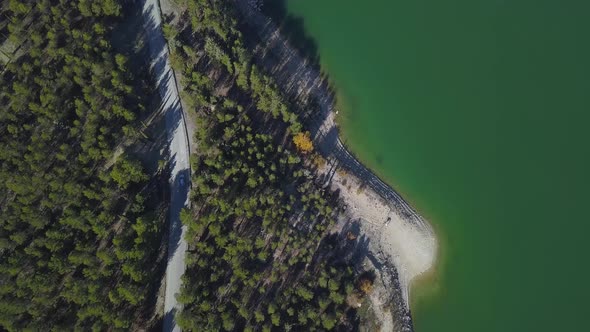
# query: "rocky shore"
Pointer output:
{"type": "Point", "coordinates": [401, 244]}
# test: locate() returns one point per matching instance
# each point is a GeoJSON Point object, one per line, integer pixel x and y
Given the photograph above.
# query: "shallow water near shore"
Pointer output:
{"type": "Point", "coordinates": [477, 112]}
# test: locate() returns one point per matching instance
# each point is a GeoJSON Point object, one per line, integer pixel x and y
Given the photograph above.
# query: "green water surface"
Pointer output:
{"type": "Point", "coordinates": [478, 112]}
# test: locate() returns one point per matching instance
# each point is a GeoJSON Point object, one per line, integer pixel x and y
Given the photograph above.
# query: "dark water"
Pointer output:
{"type": "Point", "coordinates": [478, 112]}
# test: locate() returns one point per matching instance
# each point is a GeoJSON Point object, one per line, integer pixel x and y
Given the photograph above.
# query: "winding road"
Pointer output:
{"type": "Point", "coordinates": [178, 154]}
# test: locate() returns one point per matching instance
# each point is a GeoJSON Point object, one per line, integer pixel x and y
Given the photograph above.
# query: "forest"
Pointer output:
{"type": "Point", "coordinates": [262, 252]}
{"type": "Point", "coordinates": [80, 218]}
{"type": "Point", "coordinates": [83, 218]}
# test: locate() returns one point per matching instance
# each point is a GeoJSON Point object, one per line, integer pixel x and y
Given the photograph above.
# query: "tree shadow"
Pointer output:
{"type": "Point", "coordinates": [330, 145]}
{"type": "Point", "coordinates": [282, 47]}
{"type": "Point", "coordinates": [293, 28]}
{"type": "Point", "coordinates": [178, 199]}
{"type": "Point", "coordinates": [167, 324]}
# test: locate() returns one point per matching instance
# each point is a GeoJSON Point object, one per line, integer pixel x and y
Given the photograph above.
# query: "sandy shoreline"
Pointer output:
{"type": "Point", "coordinates": [398, 233]}
{"type": "Point", "coordinates": [407, 244]}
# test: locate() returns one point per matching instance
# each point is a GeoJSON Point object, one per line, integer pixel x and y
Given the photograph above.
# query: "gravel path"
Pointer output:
{"type": "Point", "coordinates": [178, 145]}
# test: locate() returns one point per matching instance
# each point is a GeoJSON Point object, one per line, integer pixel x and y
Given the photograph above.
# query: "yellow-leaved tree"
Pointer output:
{"type": "Point", "coordinates": [303, 142]}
